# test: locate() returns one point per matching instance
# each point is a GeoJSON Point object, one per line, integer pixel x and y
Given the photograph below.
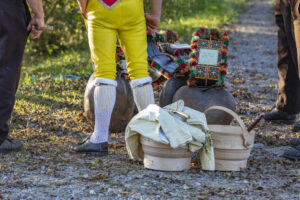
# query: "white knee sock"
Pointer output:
{"type": "Point", "coordinates": [104, 100]}
{"type": "Point", "coordinates": [142, 92]}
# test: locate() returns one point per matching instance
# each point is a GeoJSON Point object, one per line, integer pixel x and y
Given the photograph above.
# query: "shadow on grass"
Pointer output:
{"type": "Point", "coordinates": [73, 61]}
{"type": "Point", "coordinates": [55, 103]}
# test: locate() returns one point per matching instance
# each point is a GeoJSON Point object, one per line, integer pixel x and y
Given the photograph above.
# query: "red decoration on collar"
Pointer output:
{"type": "Point", "coordinates": [109, 3]}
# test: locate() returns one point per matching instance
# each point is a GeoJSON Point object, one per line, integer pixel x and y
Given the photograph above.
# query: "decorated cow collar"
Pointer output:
{"type": "Point", "coordinates": [109, 3]}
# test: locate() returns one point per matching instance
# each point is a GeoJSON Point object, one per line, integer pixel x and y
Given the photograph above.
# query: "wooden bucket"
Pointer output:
{"type": "Point", "coordinates": [232, 144]}
{"type": "Point", "coordinates": [158, 156]}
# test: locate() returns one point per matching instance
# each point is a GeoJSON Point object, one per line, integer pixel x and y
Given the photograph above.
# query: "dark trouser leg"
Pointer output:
{"type": "Point", "coordinates": [295, 6]}
{"type": "Point", "coordinates": [13, 36]}
{"type": "Point", "coordinates": [289, 85]}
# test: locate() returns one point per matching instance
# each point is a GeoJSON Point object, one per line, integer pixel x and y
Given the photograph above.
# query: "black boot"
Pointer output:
{"type": "Point", "coordinates": [9, 146]}
{"type": "Point", "coordinates": [292, 154]}
{"type": "Point", "coordinates": [279, 116]}
{"type": "Point", "coordinates": [295, 142]}
{"type": "Point", "coordinates": [295, 153]}
{"type": "Point", "coordinates": [297, 129]}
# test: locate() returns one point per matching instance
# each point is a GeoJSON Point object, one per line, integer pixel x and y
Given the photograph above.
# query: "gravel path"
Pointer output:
{"type": "Point", "coordinates": [253, 81]}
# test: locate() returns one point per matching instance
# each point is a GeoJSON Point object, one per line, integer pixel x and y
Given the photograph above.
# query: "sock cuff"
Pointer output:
{"type": "Point", "coordinates": [140, 82]}
{"type": "Point", "coordinates": [105, 81]}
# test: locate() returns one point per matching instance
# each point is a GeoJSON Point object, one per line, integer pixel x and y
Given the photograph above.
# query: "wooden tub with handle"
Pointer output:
{"type": "Point", "coordinates": [232, 144]}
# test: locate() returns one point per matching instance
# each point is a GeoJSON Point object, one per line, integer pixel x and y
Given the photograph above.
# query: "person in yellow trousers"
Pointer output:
{"type": "Point", "coordinates": [106, 21]}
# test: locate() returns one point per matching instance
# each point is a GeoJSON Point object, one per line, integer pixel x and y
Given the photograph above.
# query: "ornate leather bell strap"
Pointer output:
{"type": "Point", "coordinates": [109, 3]}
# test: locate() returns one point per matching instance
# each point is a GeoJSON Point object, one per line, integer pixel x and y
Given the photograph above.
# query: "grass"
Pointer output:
{"type": "Point", "coordinates": [189, 15]}
{"type": "Point", "coordinates": [75, 62]}
{"type": "Point", "coordinates": [49, 110]}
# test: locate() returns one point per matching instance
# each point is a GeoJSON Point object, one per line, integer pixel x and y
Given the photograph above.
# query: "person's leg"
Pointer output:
{"type": "Point", "coordinates": [104, 101]}
{"type": "Point", "coordinates": [295, 9]}
{"type": "Point", "coordinates": [142, 92]}
{"type": "Point", "coordinates": [134, 45]}
{"type": "Point", "coordinates": [289, 83]}
{"type": "Point", "coordinates": [133, 39]}
{"type": "Point", "coordinates": [102, 41]}
{"type": "Point", "coordinates": [103, 48]}
{"type": "Point", "coordinates": [13, 37]}
{"type": "Point", "coordinates": [296, 22]}
{"type": "Point", "coordinates": [288, 101]}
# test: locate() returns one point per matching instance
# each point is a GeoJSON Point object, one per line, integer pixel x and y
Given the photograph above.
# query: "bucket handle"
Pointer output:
{"type": "Point", "coordinates": [245, 133]}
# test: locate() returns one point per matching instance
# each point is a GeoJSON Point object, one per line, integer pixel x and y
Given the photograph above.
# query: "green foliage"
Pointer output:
{"type": "Point", "coordinates": [180, 15]}
{"type": "Point", "coordinates": [69, 30]}
{"type": "Point", "coordinates": [185, 16]}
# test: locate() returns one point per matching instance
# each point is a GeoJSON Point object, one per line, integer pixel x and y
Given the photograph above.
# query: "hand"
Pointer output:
{"type": "Point", "coordinates": [82, 6]}
{"type": "Point", "coordinates": [152, 21]}
{"type": "Point", "coordinates": [34, 25]}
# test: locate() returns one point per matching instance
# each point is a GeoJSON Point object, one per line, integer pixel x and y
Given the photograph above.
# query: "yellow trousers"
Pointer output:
{"type": "Point", "coordinates": [126, 22]}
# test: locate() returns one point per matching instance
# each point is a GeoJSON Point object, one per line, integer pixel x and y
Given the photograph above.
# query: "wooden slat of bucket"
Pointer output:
{"type": "Point", "coordinates": [232, 144]}
{"type": "Point", "coordinates": [231, 140]}
{"type": "Point", "coordinates": [162, 157]}
{"type": "Point", "coordinates": [247, 137]}
{"type": "Point", "coordinates": [163, 150]}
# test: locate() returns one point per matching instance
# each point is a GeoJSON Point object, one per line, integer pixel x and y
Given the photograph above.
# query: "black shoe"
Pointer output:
{"type": "Point", "coordinates": [292, 154]}
{"type": "Point", "coordinates": [9, 146]}
{"type": "Point", "coordinates": [295, 142]}
{"type": "Point", "coordinates": [279, 116]}
{"type": "Point", "coordinates": [86, 146]}
{"type": "Point", "coordinates": [297, 128]}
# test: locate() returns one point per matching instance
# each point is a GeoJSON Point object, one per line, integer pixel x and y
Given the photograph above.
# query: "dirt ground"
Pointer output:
{"type": "Point", "coordinates": [38, 173]}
